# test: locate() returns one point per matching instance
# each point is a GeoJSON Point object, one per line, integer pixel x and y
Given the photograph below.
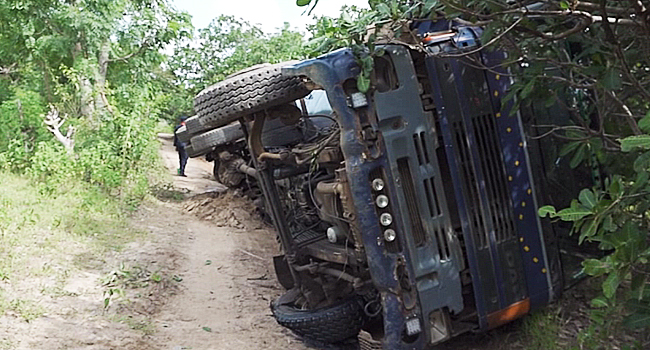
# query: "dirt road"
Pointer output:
{"type": "Point", "coordinates": [225, 265]}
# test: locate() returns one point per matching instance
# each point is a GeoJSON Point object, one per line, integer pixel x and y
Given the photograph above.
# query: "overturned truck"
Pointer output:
{"type": "Point", "coordinates": [407, 214]}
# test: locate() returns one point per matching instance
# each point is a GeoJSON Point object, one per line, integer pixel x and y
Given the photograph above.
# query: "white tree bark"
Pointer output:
{"type": "Point", "coordinates": [54, 122]}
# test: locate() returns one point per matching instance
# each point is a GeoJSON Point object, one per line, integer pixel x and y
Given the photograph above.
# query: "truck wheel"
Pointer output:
{"type": "Point", "coordinates": [246, 93]}
{"type": "Point", "coordinates": [331, 324]}
{"type": "Point", "coordinates": [206, 141]}
{"type": "Point", "coordinates": [191, 152]}
{"type": "Point", "coordinates": [193, 125]}
{"type": "Point", "coordinates": [182, 134]}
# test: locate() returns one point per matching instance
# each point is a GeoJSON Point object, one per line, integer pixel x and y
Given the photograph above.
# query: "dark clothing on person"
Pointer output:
{"type": "Point", "coordinates": [182, 152]}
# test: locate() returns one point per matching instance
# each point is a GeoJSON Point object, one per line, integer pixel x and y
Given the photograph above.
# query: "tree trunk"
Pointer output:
{"type": "Point", "coordinates": [100, 76]}
{"type": "Point", "coordinates": [87, 109]}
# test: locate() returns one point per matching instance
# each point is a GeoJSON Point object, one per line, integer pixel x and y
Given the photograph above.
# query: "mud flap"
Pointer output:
{"type": "Point", "coordinates": [282, 271]}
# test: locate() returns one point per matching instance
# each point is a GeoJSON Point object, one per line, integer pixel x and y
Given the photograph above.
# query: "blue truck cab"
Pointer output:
{"type": "Point", "coordinates": [408, 214]}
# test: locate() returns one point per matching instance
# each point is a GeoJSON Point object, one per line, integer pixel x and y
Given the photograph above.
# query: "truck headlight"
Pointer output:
{"type": "Point", "coordinates": [386, 219]}
{"type": "Point", "coordinates": [390, 235]}
{"type": "Point", "coordinates": [378, 184]}
{"type": "Point", "coordinates": [381, 201]}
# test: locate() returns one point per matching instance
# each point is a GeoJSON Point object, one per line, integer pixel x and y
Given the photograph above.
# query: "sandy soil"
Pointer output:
{"type": "Point", "coordinates": [224, 262]}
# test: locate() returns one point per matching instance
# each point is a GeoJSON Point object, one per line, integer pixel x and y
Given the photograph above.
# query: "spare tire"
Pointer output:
{"type": "Point", "coordinates": [182, 135]}
{"type": "Point", "coordinates": [191, 152]}
{"type": "Point", "coordinates": [331, 324]}
{"type": "Point", "coordinates": [193, 125]}
{"type": "Point", "coordinates": [247, 92]}
{"type": "Point", "coordinates": [206, 141]}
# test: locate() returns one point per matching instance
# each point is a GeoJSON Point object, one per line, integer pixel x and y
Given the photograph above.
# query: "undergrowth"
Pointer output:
{"type": "Point", "coordinates": [46, 235]}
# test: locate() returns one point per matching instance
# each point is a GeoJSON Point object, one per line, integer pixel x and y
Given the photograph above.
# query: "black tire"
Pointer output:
{"type": "Point", "coordinates": [216, 137]}
{"type": "Point", "coordinates": [246, 93]}
{"type": "Point", "coordinates": [331, 324]}
{"type": "Point", "coordinates": [193, 125]}
{"type": "Point", "coordinates": [215, 169]}
{"type": "Point", "coordinates": [182, 135]}
{"type": "Point", "coordinates": [192, 153]}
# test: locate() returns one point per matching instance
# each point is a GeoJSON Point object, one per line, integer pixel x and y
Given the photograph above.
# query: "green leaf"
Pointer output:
{"type": "Point", "coordinates": [594, 267]}
{"type": "Point", "coordinates": [546, 210]}
{"type": "Point", "coordinates": [611, 284]}
{"type": "Point", "coordinates": [612, 80]}
{"type": "Point", "coordinates": [156, 277]}
{"type": "Point", "coordinates": [616, 189]}
{"type": "Point", "coordinates": [637, 286]}
{"type": "Point", "coordinates": [632, 142]}
{"type": "Point", "coordinates": [642, 163]}
{"type": "Point", "coordinates": [428, 5]}
{"type": "Point", "coordinates": [588, 229]}
{"type": "Point", "coordinates": [569, 147]}
{"type": "Point", "coordinates": [564, 5]}
{"type": "Point", "coordinates": [363, 83]}
{"type": "Point", "coordinates": [644, 123]}
{"type": "Point", "coordinates": [637, 320]}
{"type": "Point", "coordinates": [303, 2]}
{"type": "Point", "coordinates": [573, 214]}
{"type": "Point", "coordinates": [587, 198]}
{"type": "Point", "coordinates": [383, 9]}
{"type": "Point", "coordinates": [608, 224]}
{"type": "Point", "coordinates": [599, 302]}
{"type": "Point", "coordinates": [525, 92]}
{"type": "Point", "coordinates": [579, 156]}
{"type": "Point", "coordinates": [207, 329]}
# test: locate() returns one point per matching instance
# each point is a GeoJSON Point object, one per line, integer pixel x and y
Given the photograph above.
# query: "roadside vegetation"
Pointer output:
{"type": "Point", "coordinates": [84, 89]}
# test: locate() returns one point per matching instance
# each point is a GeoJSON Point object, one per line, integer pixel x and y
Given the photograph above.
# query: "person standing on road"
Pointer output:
{"type": "Point", "coordinates": [180, 148]}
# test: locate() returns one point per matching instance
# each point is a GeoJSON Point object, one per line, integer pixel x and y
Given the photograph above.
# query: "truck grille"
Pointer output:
{"type": "Point", "coordinates": [417, 229]}
{"type": "Point", "coordinates": [473, 201]}
{"type": "Point", "coordinates": [494, 173]}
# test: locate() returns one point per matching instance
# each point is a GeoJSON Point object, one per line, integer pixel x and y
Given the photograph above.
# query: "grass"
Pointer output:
{"type": "Point", "coordinates": [541, 329]}
{"type": "Point", "coordinates": [47, 235]}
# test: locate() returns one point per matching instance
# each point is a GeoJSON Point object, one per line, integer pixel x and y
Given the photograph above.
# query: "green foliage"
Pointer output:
{"type": "Point", "coordinates": [228, 45]}
{"type": "Point", "coordinates": [617, 219]}
{"type": "Point", "coordinates": [21, 120]}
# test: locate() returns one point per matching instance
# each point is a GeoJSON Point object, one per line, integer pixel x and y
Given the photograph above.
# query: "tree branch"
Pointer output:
{"type": "Point", "coordinates": [495, 39]}
{"type": "Point", "coordinates": [8, 70]}
{"type": "Point", "coordinates": [629, 116]}
{"type": "Point", "coordinates": [143, 47]}
{"type": "Point", "coordinates": [610, 37]}
{"type": "Point", "coordinates": [54, 122]}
